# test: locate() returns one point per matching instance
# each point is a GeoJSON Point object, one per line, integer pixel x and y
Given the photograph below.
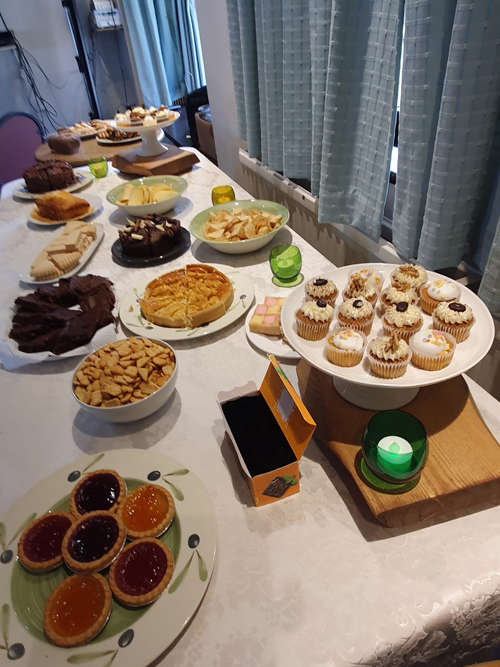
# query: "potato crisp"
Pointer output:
{"type": "Point", "coordinates": [240, 224]}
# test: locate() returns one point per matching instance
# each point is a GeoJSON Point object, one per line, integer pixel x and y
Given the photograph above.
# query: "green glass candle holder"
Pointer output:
{"type": "Point", "coordinates": [286, 263]}
{"type": "Point", "coordinates": [98, 167]}
{"type": "Point", "coordinates": [222, 194]}
{"type": "Point", "coordinates": [395, 446]}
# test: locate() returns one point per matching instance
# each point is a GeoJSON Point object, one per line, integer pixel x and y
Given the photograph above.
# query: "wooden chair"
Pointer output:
{"type": "Point", "coordinates": [20, 136]}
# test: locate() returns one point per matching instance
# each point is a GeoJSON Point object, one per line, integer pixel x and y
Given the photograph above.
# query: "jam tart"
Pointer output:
{"type": "Point", "coordinates": [93, 542]}
{"type": "Point", "coordinates": [77, 610]}
{"type": "Point", "coordinates": [141, 572]}
{"type": "Point", "coordinates": [40, 546]}
{"type": "Point", "coordinates": [102, 490]}
{"type": "Point", "coordinates": [147, 511]}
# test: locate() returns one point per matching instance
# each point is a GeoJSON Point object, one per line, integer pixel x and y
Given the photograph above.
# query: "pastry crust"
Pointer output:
{"type": "Point", "coordinates": [121, 496]}
{"type": "Point", "coordinates": [90, 567]}
{"type": "Point", "coordinates": [48, 564]}
{"type": "Point", "coordinates": [160, 528]}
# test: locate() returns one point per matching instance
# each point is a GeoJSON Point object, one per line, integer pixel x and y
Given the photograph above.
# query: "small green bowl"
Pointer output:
{"type": "Point", "coordinates": [175, 182]}
{"type": "Point", "coordinates": [243, 246]}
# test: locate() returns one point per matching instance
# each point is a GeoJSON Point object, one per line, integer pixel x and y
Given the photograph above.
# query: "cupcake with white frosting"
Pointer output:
{"type": "Point", "coordinates": [432, 350]}
{"type": "Point", "coordinates": [393, 295]}
{"type": "Point", "coordinates": [345, 347]}
{"type": "Point", "coordinates": [121, 120]}
{"type": "Point", "coordinates": [409, 275]}
{"type": "Point", "coordinates": [389, 356]}
{"type": "Point", "coordinates": [313, 319]}
{"type": "Point", "coordinates": [356, 314]}
{"type": "Point", "coordinates": [371, 276]}
{"type": "Point", "coordinates": [403, 319]}
{"type": "Point", "coordinates": [454, 318]}
{"type": "Point", "coordinates": [435, 293]}
{"type": "Point", "coordinates": [322, 289]}
{"type": "Point", "coordinates": [360, 287]}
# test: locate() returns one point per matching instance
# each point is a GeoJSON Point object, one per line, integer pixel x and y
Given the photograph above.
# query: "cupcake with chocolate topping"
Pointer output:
{"type": "Point", "coordinates": [432, 350]}
{"type": "Point", "coordinates": [409, 275]}
{"type": "Point", "coordinates": [345, 347]}
{"type": "Point", "coordinates": [389, 356]}
{"type": "Point", "coordinates": [372, 277]}
{"type": "Point", "coordinates": [437, 292]}
{"type": "Point", "coordinates": [454, 318]}
{"type": "Point", "coordinates": [403, 319]}
{"type": "Point", "coordinates": [360, 287]}
{"type": "Point", "coordinates": [356, 314]}
{"type": "Point", "coordinates": [323, 289]}
{"type": "Point", "coordinates": [313, 319]}
{"type": "Point", "coordinates": [393, 295]}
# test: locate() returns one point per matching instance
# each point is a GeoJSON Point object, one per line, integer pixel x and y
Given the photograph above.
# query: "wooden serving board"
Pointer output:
{"type": "Point", "coordinates": [89, 148]}
{"type": "Point", "coordinates": [463, 467]}
{"type": "Point", "coordinates": [174, 161]}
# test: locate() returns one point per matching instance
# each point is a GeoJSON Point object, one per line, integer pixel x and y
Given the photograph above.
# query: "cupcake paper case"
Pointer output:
{"type": "Point", "coordinates": [454, 318]}
{"type": "Point", "coordinates": [313, 319]}
{"type": "Point", "coordinates": [432, 350]}
{"type": "Point", "coordinates": [345, 347]}
{"type": "Point", "coordinates": [389, 356]}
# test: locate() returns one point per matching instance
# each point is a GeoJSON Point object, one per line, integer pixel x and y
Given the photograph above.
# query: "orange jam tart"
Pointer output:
{"type": "Point", "coordinates": [141, 572]}
{"type": "Point", "coordinates": [40, 546]}
{"type": "Point", "coordinates": [147, 511]}
{"type": "Point", "coordinates": [102, 490]}
{"type": "Point", "coordinates": [77, 610]}
{"type": "Point", "coordinates": [93, 542]}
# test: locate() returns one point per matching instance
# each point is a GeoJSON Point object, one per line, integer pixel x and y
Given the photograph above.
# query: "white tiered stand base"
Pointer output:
{"type": "Point", "coordinates": [374, 398]}
{"type": "Point", "coordinates": [150, 146]}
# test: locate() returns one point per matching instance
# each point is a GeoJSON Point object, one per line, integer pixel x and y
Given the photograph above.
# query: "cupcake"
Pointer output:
{"type": "Point", "coordinates": [432, 350]}
{"type": "Point", "coordinates": [403, 319]}
{"type": "Point", "coordinates": [435, 293]}
{"type": "Point", "coordinates": [121, 120]}
{"type": "Point", "coordinates": [356, 314]}
{"type": "Point", "coordinates": [360, 287]}
{"type": "Point", "coordinates": [139, 111]}
{"type": "Point", "coordinates": [371, 276]}
{"type": "Point", "coordinates": [345, 347]}
{"type": "Point", "coordinates": [313, 319]}
{"type": "Point", "coordinates": [389, 356]}
{"type": "Point", "coordinates": [392, 295]}
{"type": "Point", "coordinates": [409, 275]}
{"type": "Point", "coordinates": [454, 318]}
{"type": "Point", "coordinates": [321, 288]}
{"type": "Point", "coordinates": [149, 120]}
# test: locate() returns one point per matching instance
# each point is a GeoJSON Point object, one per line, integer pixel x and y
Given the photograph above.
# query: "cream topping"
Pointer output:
{"type": "Point", "coordinates": [389, 349]}
{"type": "Point", "coordinates": [349, 311]}
{"type": "Point", "coordinates": [371, 276]}
{"type": "Point", "coordinates": [313, 311]}
{"type": "Point", "coordinates": [447, 312]}
{"type": "Point", "coordinates": [356, 289]}
{"type": "Point", "coordinates": [395, 295]}
{"type": "Point", "coordinates": [411, 275]}
{"type": "Point", "coordinates": [347, 339]}
{"type": "Point", "coordinates": [400, 319]}
{"type": "Point", "coordinates": [430, 343]}
{"type": "Point", "coordinates": [443, 290]}
{"type": "Point", "coordinates": [320, 290]}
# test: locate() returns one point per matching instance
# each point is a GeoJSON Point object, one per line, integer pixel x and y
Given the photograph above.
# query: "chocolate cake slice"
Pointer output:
{"type": "Point", "coordinates": [47, 176]}
{"type": "Point", "coordinates": [151, 236]}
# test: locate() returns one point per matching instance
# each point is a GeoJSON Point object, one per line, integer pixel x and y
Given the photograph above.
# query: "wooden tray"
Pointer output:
{"type": "Point", "coordinates": [174, 161]}
{"type": "Point", "coordinates": [463, 468]}
{"type": "Point", "coordinates": [88, 149]}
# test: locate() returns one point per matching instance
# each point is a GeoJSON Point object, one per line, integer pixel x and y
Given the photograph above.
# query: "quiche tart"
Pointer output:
{"type": "Point", "coordinates": [189, 297]}
{"type": "Point", "coordinates": [102, 490]}
{"type": "Point", "coordinates": [40, 546]}
{"type": "Point", "coordinates": [93, 542]}
{"type": "Point", "coordinates": [141, 572]}
{"type": "Point", "coordinates": [147, 511]}
{"type": "Point", "coordinates": [77, 610]}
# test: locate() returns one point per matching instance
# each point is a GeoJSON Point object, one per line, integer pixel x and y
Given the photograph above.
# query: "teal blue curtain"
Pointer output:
{"type": "Point", "coordinates": [316, 89]}
{"type": "Point", "coordinates": [166, 48]}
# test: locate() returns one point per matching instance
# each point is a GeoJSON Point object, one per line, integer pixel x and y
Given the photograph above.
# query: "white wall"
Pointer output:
{"type": "Point", "coordinates": [214, 33]}
{"type": "Point", "coordinates": [41, 28]}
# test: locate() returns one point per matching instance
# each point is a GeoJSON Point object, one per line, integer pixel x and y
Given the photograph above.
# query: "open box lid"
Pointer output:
{"type": "Point", "coordinates": [287, 408]}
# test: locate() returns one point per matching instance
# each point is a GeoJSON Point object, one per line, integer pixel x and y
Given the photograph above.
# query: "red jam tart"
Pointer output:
{"type": "Point", "coordinates": [147, 511]}
{"type": "Point", "coordinates": [77, 610]}
{"type": "Point", "coordinates": [102, 490]}
{"type": "Point", "coordinates": [40, 545]}
{"type": "Point", "coordinates": [141, 572]}
{"type": "Point", "coordinates": [93, 542]}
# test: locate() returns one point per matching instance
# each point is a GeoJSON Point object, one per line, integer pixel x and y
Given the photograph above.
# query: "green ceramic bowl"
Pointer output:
{"type": "Point", "coordinates": [244, 246]}
{"type": "Point", "coordinates": [175, 182]}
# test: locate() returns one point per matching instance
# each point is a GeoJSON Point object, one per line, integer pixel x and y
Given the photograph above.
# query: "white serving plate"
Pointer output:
{"type": "Point", "coordinates": [142, 128]}
{"type": "Point", "coordinates": [25, 274]}
{"type": "Point", "coordinates": [467, 354]}
{"type": "Point", "coordinates": [95, 204]}
{"type": "Point", "coordinates": [84, 178]}
{"type": "Point", "coordinates": [137, 636]}
{"type": "Point", "coordinates": [269, 344]}
{"type": "Point", "coordinates": [131, 318]}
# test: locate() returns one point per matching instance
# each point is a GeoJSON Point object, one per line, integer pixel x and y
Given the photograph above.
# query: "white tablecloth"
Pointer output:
{"type": "Point", "coordinates": [311, 580]}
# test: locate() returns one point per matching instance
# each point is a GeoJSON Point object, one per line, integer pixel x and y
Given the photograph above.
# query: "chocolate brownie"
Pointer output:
{"type": "Point", "coordinates": [47, 176]}
{"type": "Point", "coordinates": [151, 236]}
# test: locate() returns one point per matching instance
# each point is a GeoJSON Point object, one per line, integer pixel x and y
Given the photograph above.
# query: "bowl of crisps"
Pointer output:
{"type": "Point", "coordinates": [238, 227]}
{"type": "Point", "coordinates": [151, 194]}
{"type": "Point", "coordinates": [127, 380]}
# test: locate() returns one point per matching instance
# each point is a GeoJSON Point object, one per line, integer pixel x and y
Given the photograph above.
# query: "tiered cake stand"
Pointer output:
{"type": "Point", "coordinates": [357, 385]}
{"type": "Point", "coordinates": [150, 144]}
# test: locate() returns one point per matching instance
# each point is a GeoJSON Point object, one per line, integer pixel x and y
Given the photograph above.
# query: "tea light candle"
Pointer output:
{"type": "Point", "coordinates": [394, 453]}
{"type": "Point", "coordinates": [286, 268]}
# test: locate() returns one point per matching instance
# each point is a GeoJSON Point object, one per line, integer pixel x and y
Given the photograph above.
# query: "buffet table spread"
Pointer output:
{"type": "Point", "coordinates": [311, 580]}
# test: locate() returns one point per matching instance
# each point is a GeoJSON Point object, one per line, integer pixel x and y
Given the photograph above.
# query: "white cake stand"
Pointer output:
{"type": "Point", "coordinates": [357, 385]}
{"type": "Point", "coordinates": [150, 144]}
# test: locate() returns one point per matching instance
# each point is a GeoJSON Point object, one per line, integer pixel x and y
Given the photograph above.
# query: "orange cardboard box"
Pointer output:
{"type": "Point", "coordinates": [270, 429]}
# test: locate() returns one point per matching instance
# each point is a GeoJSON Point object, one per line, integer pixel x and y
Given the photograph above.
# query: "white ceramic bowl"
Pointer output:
{"type": "Point", "coordinates": [134, 411]}
{"type": "Point", "coordinates": [246, 245]}
{"type": "Point", "coordinates": [175, 182]}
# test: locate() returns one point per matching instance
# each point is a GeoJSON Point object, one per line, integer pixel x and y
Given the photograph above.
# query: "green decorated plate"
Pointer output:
{"type": "Point", "coordinates": [141, 635]}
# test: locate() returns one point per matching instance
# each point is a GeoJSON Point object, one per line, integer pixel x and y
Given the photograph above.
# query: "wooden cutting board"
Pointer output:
{"type": "Point", "coordinates": [463, 467]}
{"type": "Point", "coordinates": [174, 161]}
{"type": "Point", "coordinates": [89, 148]}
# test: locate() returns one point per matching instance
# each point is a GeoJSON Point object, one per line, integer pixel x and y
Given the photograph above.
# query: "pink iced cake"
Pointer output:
{"type": "Point", "coordinates": [266, 318]}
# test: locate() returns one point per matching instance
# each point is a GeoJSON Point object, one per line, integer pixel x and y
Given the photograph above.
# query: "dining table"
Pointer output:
{"type": "Point", "coordinates": [312, 580]}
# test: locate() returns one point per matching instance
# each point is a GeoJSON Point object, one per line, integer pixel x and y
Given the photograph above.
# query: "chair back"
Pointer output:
{"type": "Point", "coordinates": [20, 136]}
